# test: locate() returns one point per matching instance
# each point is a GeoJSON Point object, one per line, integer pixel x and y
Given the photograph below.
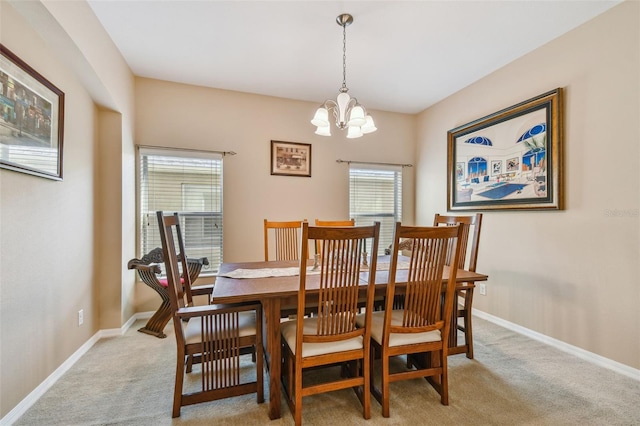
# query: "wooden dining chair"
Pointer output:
{"type": "Point", "coordinates": [286, 237]}
{"type": "Point", "coordinates": [330, 336]}
{"type": "Point", "coordinates": [420, 328]}
{"type": "Point", "coordinates": [469, 243]}
{"type": "Point", "coordinates": [214, 334]}
{"type": "Point", "coordinates": [350, 222]}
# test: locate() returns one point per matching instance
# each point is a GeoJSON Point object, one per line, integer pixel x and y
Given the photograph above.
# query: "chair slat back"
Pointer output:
{"type": "Point", "coordinates": [286, 239]}
{"type": "Point", "coordinates": [423, 308]}
{"type": "Point", "coordinates": [340, 264]}
{"type": "Point", "coordinates": [170, 234]}
{"type": "Point", "coordinates": [470, 236]}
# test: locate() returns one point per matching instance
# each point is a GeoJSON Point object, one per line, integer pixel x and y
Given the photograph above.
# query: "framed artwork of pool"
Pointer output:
{"type": "Point", "coordinates": [511, 159]}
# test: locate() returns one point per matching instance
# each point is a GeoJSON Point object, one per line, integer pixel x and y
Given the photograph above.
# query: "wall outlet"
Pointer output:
{"type": "Point", "coordinates": [80, 317]}
{"type": "Point", "coordinates": [482, 288]}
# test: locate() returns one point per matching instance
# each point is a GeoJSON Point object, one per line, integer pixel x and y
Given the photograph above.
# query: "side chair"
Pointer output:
{"type": "Point", "coordinates": [216, 334]}
{"type": "Point", "coordinates": [469, 243]}
{"type": "Point", "coordinates": [349, 222]}
{"type": "Point", "coordinates": [286, 237]}
{"type": "Point", "coordinates": [330, 337]}
{"type": "Point", "coordinates": [419, 329]}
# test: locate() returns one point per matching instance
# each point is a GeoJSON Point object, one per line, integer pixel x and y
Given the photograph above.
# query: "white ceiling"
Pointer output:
{"type": "Point", "coordinates": [402, 56]}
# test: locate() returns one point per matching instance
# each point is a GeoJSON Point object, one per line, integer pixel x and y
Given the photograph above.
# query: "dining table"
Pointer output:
{"type": "Point", "coordinates": [275, 284]}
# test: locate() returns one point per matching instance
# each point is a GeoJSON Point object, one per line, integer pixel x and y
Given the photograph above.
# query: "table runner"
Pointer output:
{"type": "Point", "coordinates": [244, 273]}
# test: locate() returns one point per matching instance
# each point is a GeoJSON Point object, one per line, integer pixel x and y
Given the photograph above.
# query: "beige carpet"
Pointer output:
{"type": "Point", "coordinates": [514, 380]}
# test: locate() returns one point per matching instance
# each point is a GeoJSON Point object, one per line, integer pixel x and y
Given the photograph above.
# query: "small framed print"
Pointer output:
{"type": "Point", "coordinates": [290, 159]}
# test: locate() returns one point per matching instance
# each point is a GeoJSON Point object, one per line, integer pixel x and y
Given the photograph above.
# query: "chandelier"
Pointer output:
{"type": "Point", "coordinates": [348, 113]}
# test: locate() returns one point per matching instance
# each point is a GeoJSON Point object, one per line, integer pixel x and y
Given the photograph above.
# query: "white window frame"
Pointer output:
{"type": "Point", "coordinates": [371, 201]}
{"type": "Point", "coordinates": [188, 170]}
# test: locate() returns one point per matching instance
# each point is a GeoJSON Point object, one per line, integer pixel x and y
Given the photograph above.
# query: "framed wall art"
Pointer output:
{"type": "Point", "coordinates": [512, 158]}
{"type": "Point", "coordinates": [31, 119]}
{"type": "Point", "coordinates": [290, 159]}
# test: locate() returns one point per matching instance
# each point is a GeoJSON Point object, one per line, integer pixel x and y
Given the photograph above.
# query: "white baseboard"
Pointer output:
{"type": "Point", "coordinates": [13, 415]}
{"type": "Point", "coordinates": [565, 347]}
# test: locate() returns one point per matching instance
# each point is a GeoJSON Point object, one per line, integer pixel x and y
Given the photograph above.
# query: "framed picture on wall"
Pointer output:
{"type": "Point", "coordinates": [527, 139]}
{"type": "Point", "coordinates": [290, 159]}
{"type": "Point", "coordinates": [496, 167]}
{"type": "Point", "coordinates": [31, 119]}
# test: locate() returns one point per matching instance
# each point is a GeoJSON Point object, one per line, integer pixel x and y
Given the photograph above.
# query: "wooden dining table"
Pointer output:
{"type": "Point", "coordinates": [279, 291]}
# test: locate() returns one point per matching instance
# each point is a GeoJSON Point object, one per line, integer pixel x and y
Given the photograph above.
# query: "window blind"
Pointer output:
{"type": "Point", "coordinates": [375, 194]}
{"type": "Point", "coordinates": [189, 183]}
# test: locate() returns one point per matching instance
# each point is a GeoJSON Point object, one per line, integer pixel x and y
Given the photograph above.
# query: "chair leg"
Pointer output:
{"type": "Point", "coordinates": [158, 321]}
{"type": "Point", "coordinates": [177, 393]}
{"type": "Point", "coordinates": [259, 355]}
{"type": "Point", "coordinates": [297, 415]}
{"type": "Point", "coordinates": [365, 371]}
{"type": "Point", "coordinates": [385, 384]}
{"type": "Point", "coordinates": [444, 379]}
{"type": "Point", "coordinates": [468, 334]}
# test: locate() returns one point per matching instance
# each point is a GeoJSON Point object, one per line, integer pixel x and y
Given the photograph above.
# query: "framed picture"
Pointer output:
{"type": "Point", "coordinates": [290, 159]}
{"type": "Point", "coordinates": [496, 167]}
{"type": "Point", "coordinates": [527, 139]}
{"type": "Point", "coordinates": [31, 119]}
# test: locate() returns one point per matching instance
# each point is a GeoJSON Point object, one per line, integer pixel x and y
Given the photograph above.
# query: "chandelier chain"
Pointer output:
{"type": "Point", "coordinates": [344, 58]}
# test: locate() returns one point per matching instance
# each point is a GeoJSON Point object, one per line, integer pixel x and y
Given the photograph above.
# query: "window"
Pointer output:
{"type": "Point", "coordinates": [189, 183]}
{"type": "Point", "coordinates": [375, 194]}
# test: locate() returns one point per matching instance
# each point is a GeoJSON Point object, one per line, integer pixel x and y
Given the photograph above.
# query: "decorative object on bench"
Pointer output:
{"type": "Point", "coordinates": [149, 271]}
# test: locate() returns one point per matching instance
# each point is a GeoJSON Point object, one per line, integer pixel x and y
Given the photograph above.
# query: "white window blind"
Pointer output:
{"type": "Point", "coordinates": [189, 183]}
{"type": "Point", "coordinates": [375, 194]}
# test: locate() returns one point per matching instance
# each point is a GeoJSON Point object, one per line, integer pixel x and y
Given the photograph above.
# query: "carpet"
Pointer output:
{"type": "Point", "coordinates": [513, 380]}
{"type": "Point", "coordinates": [502, 191]}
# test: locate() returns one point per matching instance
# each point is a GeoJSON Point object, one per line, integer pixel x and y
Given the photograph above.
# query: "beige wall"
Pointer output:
{"type": "Point", "coordinates": [47, 241]}
{"type": "Point", "coordinates": [178, 115]}
{"type": "Point", "coordinates": [573, 274]}
{"type": "Point", "coordinates": [62, 243]}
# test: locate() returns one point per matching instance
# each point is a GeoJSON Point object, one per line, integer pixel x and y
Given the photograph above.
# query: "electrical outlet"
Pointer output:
{"type": "Point", "coordinates": [482, 287]}
{"type": "Point", "coordinates": [80, 317]}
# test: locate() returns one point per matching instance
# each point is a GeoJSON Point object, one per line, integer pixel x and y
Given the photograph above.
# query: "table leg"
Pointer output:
{"type": "Point", "coordinates": [271, 308]}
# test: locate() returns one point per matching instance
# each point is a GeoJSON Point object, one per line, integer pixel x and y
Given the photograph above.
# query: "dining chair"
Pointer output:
{"type": "Point", "coordinates": [215, 334]}
{"type": "Point", "coordinates": [346, 222]}
{"type": "Point", "coordinates": [469, 243]}
{"type": "Point", "coordinates": [286, 237]}
{"type": "Point", "coordinates": [350, 222]}
{"type": "Point", "coordinates": [150, 272]}
{"type": "Point", "coordinates": [330, 336]}
{"type": "Point", "coordinates": [419, 329]}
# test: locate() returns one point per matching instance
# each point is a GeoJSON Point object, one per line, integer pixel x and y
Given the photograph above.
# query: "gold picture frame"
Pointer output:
{"type": "Point", "coordinates": [511, 159]}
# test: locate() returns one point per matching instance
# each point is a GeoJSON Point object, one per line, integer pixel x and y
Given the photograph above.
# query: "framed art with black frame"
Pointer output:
{"type": "Point", "coordinates": [31, 119]}
{"type": "Point", "coordinates": [290, 159]}
{"type": "Point", "coordinates": [511, 159]}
